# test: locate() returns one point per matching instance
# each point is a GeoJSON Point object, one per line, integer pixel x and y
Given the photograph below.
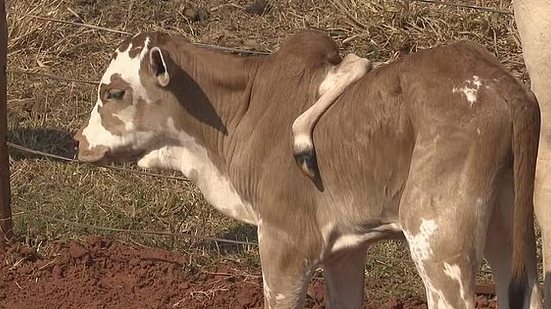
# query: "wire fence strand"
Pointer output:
{"type": "Point", "coordinates": [131, 231]}
{"type": "Point", "coordinates": [28, 212]}
{"type": "Point", "coordinates": [53, 76]}
{"type": "Point", "coordinates": [84, 25]}
{"type": "Point", "coordinates": [122, 169]}
{"type": "Point", "coordinates": [466, 6]}
{"type": "Point", "coordinates": [209, 46]}
{"type": "Point", "coordinates": [72, 23]}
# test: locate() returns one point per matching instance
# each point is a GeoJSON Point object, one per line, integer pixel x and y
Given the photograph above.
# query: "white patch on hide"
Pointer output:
{"type": "Point", "coordinates": [420, 243]}
{"type": "Point", "coordinates": [334, 240]}
{"type": "Point", "coordinates": [193, 161]}
{"type": "Point", "coordinates": [469, 89]}
{"type": "Point", "coordinates": [127, 117]}
{"type": "Point", "coordinates": [454, 272]}
{"type": "Point", "coordinates": [421, 252]}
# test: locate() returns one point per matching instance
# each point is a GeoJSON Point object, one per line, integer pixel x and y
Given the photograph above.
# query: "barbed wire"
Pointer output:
{"type": "Point", "coordinates": [245, 51]}
{"type": "Point", "coordinates": [27, 211]}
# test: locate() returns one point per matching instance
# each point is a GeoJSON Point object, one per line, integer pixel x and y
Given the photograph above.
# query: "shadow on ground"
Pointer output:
{"type": "Point", "coordinates": [239, 232]}
{"type": "Point", "coordinates": [48, 140]}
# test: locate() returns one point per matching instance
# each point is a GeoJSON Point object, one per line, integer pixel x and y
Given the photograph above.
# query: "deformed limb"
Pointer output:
{"type": "Point", "coordinates": [339, 77]}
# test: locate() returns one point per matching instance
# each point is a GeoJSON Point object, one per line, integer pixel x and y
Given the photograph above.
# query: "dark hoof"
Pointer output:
{"type": "Point", "coordinates": [307, 162]}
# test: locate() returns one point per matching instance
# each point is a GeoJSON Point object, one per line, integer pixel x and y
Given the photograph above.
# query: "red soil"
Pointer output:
{"type": "Point", "coordinates": [100, 273]}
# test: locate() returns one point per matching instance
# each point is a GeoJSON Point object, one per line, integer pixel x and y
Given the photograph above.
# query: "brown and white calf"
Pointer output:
{"type": "Point", "coordinates": [439, 147]}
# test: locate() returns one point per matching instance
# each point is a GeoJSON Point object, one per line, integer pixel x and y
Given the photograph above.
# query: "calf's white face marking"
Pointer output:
{"type": "Point", "coordinates": [97, 135]}
{"type": "Point", "coordinates": [127, 68]}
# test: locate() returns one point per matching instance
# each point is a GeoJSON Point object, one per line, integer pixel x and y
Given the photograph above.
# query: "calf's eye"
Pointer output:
{"type": "Point", "coordinates": [115, 94]}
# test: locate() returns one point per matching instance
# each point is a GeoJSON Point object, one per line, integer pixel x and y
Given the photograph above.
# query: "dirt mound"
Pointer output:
{"type": "Point", "coordinates": [100, 273]}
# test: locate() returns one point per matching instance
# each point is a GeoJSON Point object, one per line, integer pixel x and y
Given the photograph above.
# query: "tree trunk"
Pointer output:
{"type": "Point", "coordinates": [6, 233]}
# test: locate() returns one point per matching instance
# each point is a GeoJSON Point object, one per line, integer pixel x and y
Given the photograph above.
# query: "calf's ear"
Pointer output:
{"type": "Point", "coordinates": [158, 66]}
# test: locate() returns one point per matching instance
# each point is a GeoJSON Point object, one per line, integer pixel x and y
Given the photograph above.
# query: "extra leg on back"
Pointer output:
{"type": "Point", "coordinates": [443, 213]}
{"type": "Point", "coordinates": [337, 80]}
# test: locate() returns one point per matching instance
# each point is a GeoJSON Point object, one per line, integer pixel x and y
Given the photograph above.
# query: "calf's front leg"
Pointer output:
{"type": "Point", "coordinates": [286, 268]}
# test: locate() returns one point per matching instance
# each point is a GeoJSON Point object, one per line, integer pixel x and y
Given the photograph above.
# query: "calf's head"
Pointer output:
{"type": "Point", "coordinates": [133, 109]}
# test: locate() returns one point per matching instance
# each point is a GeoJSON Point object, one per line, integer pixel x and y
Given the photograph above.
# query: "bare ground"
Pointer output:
{"type": "Point", "coordinates": [101, 273]}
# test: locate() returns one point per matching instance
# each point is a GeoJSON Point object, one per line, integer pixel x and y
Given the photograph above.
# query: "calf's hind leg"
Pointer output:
{"type": "Point", "coordinates": [344, 280]}
{"type": "Point", "coordinates": [499, 250]}
{"type": "Point", "coordinates": [448, 272]}
{"type": "Point", "coordinates": [444, 214]}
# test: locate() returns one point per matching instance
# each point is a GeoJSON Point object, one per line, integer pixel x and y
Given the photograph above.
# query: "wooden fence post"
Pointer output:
{"type": "Point", "coordinates": [6, 233]}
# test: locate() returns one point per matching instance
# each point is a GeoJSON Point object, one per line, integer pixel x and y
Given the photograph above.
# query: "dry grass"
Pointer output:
{"type": "Point", "coordinates": [43, 113]}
